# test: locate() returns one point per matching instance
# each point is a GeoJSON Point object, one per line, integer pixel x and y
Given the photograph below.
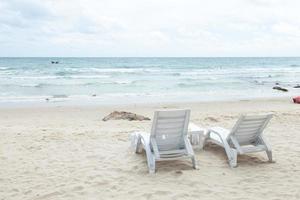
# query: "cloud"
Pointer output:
{"type": "Point", "coordinates": [149, 28]}
{"type": "Point", "coordinates": [17, 13]}
{"type": "Point", "coordinates": [292, 30]}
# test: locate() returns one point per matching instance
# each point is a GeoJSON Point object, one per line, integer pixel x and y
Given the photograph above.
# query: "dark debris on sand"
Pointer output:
{"type": "Point", "coordinates": [118, 115]}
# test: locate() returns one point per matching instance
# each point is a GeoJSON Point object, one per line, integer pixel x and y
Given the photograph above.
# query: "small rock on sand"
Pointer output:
{"type": "Point", "coordinates": [117, 115]}
{"type": "Point", "coordinates": [297, 86]}
{"type": "Point", "coordinates": [60, 96]}
{"type": "Point", "coordinates": [212, 119]}
{"type": "Point", "coordinates": [178, 172]}
{"type": "Point", "coordinates": [280, 88]}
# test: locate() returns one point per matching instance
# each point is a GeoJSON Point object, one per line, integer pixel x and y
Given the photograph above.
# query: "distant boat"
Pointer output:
{"type": "Point", "coordinates": [54, 62]}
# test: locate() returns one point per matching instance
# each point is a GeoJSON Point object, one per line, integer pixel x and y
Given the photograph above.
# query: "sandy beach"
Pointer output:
{"type": "Point", "coordinates": [67, 66]}
{"type": "Point", "coordinates": [68, 152]}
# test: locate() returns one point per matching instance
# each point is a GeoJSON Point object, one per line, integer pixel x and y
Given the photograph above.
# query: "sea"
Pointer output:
{"type": "Point", "coordinates": [127, 80]}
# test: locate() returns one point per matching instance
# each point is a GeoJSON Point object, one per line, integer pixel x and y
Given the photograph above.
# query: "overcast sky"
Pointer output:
{"type": "Point", "coordinates": [149, 28]}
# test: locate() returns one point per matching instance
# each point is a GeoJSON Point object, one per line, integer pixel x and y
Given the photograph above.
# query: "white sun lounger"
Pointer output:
{"type": "Point", "coordinates": [245, 137]}
{"type": "Point", "coordinates": [168, 139]}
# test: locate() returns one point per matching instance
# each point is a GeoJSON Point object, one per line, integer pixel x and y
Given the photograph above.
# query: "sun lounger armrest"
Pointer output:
{"type": "Point", "coordinates": [144, 136]}
{"type": "Point", "coordinates": [211, 130]}
{"type": "Point", "coordinates": [139, 139]}
{"type": "Point", "coordinates": [225, 137]}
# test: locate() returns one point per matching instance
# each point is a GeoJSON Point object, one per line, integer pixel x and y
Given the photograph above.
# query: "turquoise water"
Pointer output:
{"type": "Point", "coordinates": [134, 80]}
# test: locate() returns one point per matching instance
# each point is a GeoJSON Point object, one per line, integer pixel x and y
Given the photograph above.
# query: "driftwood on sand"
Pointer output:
{"type": "Point", "coordinates": [117, 115]}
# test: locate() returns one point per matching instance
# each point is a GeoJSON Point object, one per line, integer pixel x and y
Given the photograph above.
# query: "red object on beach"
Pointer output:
{"type": "Point", "coordinates": [296, 99]}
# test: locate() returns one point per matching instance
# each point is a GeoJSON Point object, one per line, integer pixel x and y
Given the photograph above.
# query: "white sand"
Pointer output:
{"type": "Point", "coordinates": [69, 153]}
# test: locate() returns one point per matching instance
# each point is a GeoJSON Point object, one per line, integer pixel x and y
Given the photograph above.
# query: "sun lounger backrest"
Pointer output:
{"type": "Point", "coordinates": [169, 128]}
{"type": "Point", "coordinates": [248, 128]}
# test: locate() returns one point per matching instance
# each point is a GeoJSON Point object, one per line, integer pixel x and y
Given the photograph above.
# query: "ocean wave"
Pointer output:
{"type": "Point", "coordinates": [5, 68]}
{"type": "Point", "coordinates": [61, 73]}
{"type": "Point", "coordinates": [19, 85]}
{"type": "Point", "coordinates": [87, 77]}
{"type": "Point", "coordinates": [174, 74]}
{"type": "Point", "coordinates": [188, 85]}
{"type": "Point", "coordinates": [44, 85]}
{"type": "Point", "coordinates": [110, 70]}
{"type": "Point", "coordinates": [57, 77]}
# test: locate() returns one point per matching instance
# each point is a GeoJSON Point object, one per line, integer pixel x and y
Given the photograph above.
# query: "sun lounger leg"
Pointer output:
{"type": "Point", "coordinates": [268, 147]}
{"type": "Point", "coordinates": [151, 164]}
{"type": "Point", "coordinates": [231, 154]}
{"type": "Point", "coordinates": [233, 158]}
{"type": "Point", "coordinates": [269, 154]}
{"type": "Point", "coordinates": [138, 147]}
{"type": "Point", "coordinates": [150, 159]}
{"type": "Point", "coordinates": [194, 162]}
{"type": "Point", "coordinates": [152, 167]}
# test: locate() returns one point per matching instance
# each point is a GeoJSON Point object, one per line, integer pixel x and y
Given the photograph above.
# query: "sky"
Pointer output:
{"type": "Point", "coordinates": [104, 28]}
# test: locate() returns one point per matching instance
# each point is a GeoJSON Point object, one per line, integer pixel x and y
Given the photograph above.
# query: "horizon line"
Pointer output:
{"type": "Point", "coordinates": [150, 56]}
